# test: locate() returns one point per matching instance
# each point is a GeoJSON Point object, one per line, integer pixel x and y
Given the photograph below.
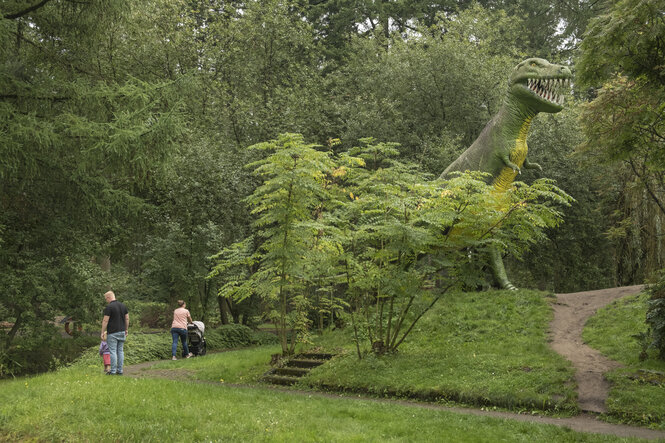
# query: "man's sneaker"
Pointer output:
{"type": "Point", "coordinates": [189, 355]}
{"type": "Point", "coordinates": [109, 373]}
{"type": "Point", "coordinates": [118, 373]}
{"type": "Point", "coordinates": [174, 358]}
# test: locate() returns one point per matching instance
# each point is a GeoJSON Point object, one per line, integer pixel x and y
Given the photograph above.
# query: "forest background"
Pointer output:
{"type": "Point", "coordinates": [124, 129]}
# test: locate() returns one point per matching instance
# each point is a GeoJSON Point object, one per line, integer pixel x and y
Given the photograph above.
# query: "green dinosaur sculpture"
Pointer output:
{"type": "Point", "coordinates": [535, 85]}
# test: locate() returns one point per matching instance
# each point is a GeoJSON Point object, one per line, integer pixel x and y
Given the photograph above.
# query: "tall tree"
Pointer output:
{"type": "Point", "coordinates": [79, 135]}
{"type": "Point", "coordinates": [432, 94]}
{"type": "Point", "coordinates": [292, 188]}
{"type": "Point", "coordinates": [623, 54]}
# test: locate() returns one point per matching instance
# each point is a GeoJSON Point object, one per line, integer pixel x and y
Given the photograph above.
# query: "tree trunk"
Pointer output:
{"type": "Point", "coordinates": [223, 310]}
{"type": "Point", "coordinates": [104, 262]}
{"type": "Point", "coordinates": [12, 332]}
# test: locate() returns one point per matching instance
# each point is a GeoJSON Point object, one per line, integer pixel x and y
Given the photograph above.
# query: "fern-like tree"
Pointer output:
{"type": "Point", "coordinates": [293, 175]}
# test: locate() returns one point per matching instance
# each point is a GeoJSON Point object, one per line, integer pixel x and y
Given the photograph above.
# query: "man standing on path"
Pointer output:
{"type": "Point", "coordinates": [116, 323]}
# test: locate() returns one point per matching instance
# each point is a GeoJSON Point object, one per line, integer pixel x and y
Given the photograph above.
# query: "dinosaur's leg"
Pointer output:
{"type": "Point", "coordinates": [499, 272]}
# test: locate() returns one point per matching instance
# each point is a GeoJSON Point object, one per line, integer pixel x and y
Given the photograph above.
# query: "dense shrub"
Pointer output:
{"type": "Point", "coordinates": [41, 353]}
{"type": "Point", "coordinates": [236, 336]}
{"type": "Point", "coordinates": [150, 314]}
{"type": "Point", "coordinates": [656, 315]}
{"type": "Point", "coordinates": [148, 347]}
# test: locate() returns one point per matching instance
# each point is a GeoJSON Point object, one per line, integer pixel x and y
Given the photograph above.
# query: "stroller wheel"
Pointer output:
{"type": "Point", "coordinates": [202, 349]}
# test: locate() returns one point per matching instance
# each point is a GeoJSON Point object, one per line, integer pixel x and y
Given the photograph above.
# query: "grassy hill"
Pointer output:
{"type": "Point", "coordinates": [486, 349]}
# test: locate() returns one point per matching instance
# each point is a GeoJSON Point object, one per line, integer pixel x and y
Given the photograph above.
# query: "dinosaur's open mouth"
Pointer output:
{"type": "Point", "coordinates": [550, 89]}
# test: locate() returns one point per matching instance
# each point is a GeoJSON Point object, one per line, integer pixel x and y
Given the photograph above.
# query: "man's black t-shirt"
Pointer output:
{"type": "Point", "coordinates": [116, 312]}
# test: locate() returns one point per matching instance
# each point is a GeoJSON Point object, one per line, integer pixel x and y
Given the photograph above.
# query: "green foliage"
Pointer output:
{"type": "Point", "coordinates": [429, 93]}
{"type": "Point", "coordinates": [237, 336]}
{"type": "Point", "coordinates": [623, 125]}
{"type": "Point", "coordinates": [292, 188]}
{"type": "Point", "coordinates": [656, 315]}
{"type": "Point", "coordinates": [80, 135]}
{"type": "Point", "coordinates": [407, 240]}
{"type": "Point", "coordinates": [41, 352]}
{"type": "Point", "coordinates": [579, 248]}
{"type": "Point", "coordinates": [234, 266]}
{"type": "Point", "coordinates": [375, 230]}
{"type": "Point", "coordinates": [150, 314]}
{"type": "Point", "coordinates": [630, 35]}
{"type": "Point", "coordinates": [123, 131]}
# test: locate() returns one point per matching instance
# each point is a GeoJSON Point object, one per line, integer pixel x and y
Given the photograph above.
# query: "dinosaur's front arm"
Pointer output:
{"type": "Point", "coordinates": [505, 158]}
{"type": "Point", "coordinates": [528, 165]}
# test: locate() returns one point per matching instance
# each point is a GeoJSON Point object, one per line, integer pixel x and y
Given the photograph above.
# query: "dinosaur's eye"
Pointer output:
{"type": "Point", "coordinates": [533, 64]}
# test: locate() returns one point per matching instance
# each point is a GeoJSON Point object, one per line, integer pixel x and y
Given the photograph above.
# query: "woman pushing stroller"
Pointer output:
{"type": "Point", "coordinates": [181, 317]}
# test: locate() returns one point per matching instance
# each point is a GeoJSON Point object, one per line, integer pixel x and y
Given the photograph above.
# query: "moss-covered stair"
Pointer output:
{"type": "Point", "coordinates": [291, 370]}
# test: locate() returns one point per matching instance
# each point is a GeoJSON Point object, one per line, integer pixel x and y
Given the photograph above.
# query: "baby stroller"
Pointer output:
{"type": "Point", "coordinates": [195, 338]}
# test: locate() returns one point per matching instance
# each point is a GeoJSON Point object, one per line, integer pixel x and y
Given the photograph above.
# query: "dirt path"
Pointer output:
{"type": "Point", "coordinates": [571, 312]}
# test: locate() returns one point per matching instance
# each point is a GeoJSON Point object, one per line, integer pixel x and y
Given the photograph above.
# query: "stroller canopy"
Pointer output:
{"type": "Point", "coordinates": [199, 325]}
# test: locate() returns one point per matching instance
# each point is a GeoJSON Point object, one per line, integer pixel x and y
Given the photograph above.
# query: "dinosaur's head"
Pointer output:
{"type": "Point", "coordinates": [540, 84]}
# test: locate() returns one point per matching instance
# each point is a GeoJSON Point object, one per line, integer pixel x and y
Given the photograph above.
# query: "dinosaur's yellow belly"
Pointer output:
{"type": "Point", "coordinates": [517, 155]}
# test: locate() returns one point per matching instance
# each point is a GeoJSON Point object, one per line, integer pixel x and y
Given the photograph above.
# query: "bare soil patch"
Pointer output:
{"type": "Point", "coordinates": [571, 312]}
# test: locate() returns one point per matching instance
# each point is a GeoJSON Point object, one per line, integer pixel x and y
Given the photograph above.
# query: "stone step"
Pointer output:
{"type": "Point", "coordinates": [304, 363]}
{"type": "Point", "coordinates": [291, 371]}
{"type": "Point", "coordinates": [295, 368]}
{"type": "Point", "coordinates": [315, 356]}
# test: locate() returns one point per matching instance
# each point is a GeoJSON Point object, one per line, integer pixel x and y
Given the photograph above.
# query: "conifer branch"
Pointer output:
{"type": "Point", "coordinates": [26, 11]}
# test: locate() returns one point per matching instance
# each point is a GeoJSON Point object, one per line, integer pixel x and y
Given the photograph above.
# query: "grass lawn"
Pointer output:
{"type": "Point", "coordinates": [80, 404]}
{"type": "Point", "coordinates": [243, 366]}
{"type": "Point", "coordinates": [633, 397]}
